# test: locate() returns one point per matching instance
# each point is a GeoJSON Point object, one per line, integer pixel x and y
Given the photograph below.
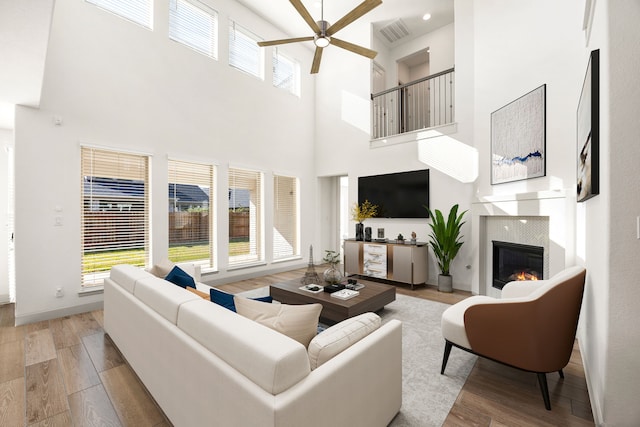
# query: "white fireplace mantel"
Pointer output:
{"type": "Point", "coordinates": [559, 206]}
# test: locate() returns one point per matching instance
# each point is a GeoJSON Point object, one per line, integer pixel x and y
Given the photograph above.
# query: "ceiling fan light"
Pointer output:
{"type": "Point", "coordinates": [322, 41]}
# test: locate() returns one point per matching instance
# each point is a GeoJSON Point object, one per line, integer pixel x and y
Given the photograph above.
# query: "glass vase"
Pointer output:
{"type": "Point", "coordinates": [332, 275]}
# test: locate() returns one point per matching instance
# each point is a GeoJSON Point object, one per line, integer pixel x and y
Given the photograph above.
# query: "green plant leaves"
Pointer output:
{"type": "Point", "coordinates": [445, 238]}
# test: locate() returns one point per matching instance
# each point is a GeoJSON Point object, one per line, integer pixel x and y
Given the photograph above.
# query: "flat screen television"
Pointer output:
{"type": "Point", "coordinates": [397, 195]}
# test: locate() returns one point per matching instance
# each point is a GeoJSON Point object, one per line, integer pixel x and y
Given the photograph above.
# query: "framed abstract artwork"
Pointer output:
{"type": "Point", "coordinates": [518, 138]}
{"type": "Point", "coordinates": [588, 132]}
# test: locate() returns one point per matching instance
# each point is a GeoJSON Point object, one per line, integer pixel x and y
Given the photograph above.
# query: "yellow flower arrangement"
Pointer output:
{"type": "Point", "coordinates": [363, 211]}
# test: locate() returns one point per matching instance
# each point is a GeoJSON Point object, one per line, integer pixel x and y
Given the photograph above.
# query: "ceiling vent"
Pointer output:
{"type": "Point", "coordinates": [395, 30]}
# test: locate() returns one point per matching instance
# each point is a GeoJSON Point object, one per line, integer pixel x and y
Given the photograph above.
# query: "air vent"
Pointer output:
{"type": "Point", "coordinates": [394, 31]}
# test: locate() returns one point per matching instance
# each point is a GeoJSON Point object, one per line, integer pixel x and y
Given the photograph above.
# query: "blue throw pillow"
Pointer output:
{"type": "Point", "coordinates": [226, 300]}
{"type": "Point", "coordinates": [180, 277]}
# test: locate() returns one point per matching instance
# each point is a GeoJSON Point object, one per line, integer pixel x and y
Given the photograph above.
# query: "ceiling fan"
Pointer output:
{"type": "Point", "coordinates": [324, 32]}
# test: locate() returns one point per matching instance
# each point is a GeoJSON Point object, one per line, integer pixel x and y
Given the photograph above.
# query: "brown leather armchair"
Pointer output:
{"type": "Point", "coordinates": [532, 327]}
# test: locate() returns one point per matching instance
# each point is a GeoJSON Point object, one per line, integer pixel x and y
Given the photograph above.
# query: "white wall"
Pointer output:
{"type": "Point", "coordinates": [116, 84]}
{"type": "Point", "coordinates": [441, 43]}
{"type": "Point", "coordinates": [342, 136]}
{"type": "Point", "coordinates": [6, 140]}
{"type": "Point", "coordinates": [609, 343]}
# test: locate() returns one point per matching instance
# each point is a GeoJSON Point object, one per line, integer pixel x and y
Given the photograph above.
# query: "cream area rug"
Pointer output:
{"type": "Point", "coordinates": [427, 396]}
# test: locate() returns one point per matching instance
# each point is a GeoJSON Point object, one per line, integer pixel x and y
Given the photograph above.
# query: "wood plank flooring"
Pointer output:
{"type": "Point", "coordinates": [67, 372]}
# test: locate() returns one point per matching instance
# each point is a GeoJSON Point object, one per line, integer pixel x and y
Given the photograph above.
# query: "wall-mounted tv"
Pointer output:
{"type": "Point", "coordinates": [397, 195]}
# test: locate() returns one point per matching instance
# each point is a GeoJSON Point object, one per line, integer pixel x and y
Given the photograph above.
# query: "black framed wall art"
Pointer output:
{"type": "Point", "coordinates": [518, 138]}
{"type": "Point", "coordinates": [588, 132]}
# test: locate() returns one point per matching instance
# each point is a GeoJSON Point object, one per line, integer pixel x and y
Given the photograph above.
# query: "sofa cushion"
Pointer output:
{"type": "Point", "coordinates": [226, 300]}
{"type": "Point", "coordinates": [299, 322]}
{"type": "Point", "coordinates": [339, 337]}
{"type": "Point", "coordinates": [269, 359]}
{"type": "Point", "coordinates": [162, 296]}
{"type": "Point", "coordinates": [179, 277]}
{"type": "Point", "coordinates": [127, 275]}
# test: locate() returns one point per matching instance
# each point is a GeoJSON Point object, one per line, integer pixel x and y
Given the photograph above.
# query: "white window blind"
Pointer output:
{"type": "Point", "coordinates": [138, 11]}
{"type": "Point", "coordinates": [115, 212]}
{"type": "Point", "coordinates": [286, 73]}
{"type": "Point", "coordinates": [245, 217]}
{"type": "Point", "coordinates": [195, 25]}
{"type": "Point", "coordinates": [191, 213]}
{"type": "Point", "coordinates": [244, 52]}
{"type": "Point", "coordinates": [285, 217]}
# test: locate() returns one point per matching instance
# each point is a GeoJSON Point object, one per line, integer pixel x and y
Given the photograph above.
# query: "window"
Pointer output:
{"type": "Point", "coordinates": [285, 217]}
{"type": "Point", "coordinates": [244, 52]}
{"type": "Point", "coordinates": [286, 73]}
{"type": "Point", "coordinates": [194, 26]}
{"type": "Point", "coordinates": [138, 11]}
{"type": "Point", "coordinates": [115, 212]}
{"type": "Point", "coordinates": [245, 217]}
{"type": "Point", "coordinates": [191, 213]}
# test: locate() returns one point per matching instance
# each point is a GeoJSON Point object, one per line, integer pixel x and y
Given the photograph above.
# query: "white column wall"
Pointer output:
{"type": "Point", "coordinates": [6, 140]}
{"type": "Point", "coordinates": [118, 85]}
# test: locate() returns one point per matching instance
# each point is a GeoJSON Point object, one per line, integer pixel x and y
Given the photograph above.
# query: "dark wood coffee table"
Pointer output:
{"type": "Point", "coordinates": [373, 297]}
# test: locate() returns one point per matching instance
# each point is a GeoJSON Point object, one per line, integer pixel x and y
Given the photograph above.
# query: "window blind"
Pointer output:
{"type": "Point", "coordinates": [195, 26]}
{"type": "Point", "coordinates": [245, 217]}
{"type": "Point", "coordinates": [286, 73]}
{"type": "Point", "coordinates": [115, 212]}
{"type": "Point", "coordinates": [138, 11]}
{"type": "Point", "coordinates": [285, 217]}
{"type": "Point", "coordinates": [244, 52]}
{"type": "Point", "coordinates": [190, 212]}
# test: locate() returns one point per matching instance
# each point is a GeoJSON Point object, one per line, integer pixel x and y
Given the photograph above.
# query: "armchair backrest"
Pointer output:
{"type": "Point", "coordinates": [534, 333]}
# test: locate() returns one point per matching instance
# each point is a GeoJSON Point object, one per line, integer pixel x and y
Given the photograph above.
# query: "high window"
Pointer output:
{"type": "Point", "coordinates": [245, 217]}
{"type": "Point", "coordinates": [286, 73]}
{"type": "Point", "coordinates": [285, 217]}
{"type": "Point", "coordinates": [191, 213]}
{"type": "Point", "coordinates": [138, 11]}
{"type": "Point", "coordinates": [115, 212]}
{"type": "Point", "coordinates": [195, 25]}
{"type": "Point", "coordinates": [244, 52]}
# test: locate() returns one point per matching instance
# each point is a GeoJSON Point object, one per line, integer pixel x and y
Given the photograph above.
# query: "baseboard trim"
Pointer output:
{"type": "Point", "coordinates": [25, 319]}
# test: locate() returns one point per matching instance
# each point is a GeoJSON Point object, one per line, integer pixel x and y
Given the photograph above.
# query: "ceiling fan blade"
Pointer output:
{"type": "Point", "coordinates": [284, 41]}
{"type": "Point", "coordinates": [315, 66]}
{"type": "Point", "coordinates": [305, 15]}
{"type": "Point", "coordinates": [354, 48]}
{"type": "Point", "coordinates": [361, 9]}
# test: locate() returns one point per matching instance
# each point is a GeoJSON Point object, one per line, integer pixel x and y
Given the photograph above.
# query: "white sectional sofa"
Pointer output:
{"type": "Point", "coordinates": [206, 365]}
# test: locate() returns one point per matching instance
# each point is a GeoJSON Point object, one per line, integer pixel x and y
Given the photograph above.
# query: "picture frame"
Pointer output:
{"type": "Point", "coordinates": [518, 138]}
{"type": "Point", "coordinates": [588, 132]}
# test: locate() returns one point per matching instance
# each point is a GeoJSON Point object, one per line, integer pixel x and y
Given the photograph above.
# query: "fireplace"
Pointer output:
{"type": "Point", "coordinates": [514, 261]}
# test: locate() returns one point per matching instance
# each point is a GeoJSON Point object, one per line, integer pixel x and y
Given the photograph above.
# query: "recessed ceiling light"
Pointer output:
{"type": "Point", "coordinates": [426, 16]}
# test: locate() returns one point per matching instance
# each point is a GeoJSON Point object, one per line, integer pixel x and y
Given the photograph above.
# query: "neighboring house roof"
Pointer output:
{"type": "Point", "coordinates": [111, 188]}
{"type": "Point", "coordinates": [239, 198]}
{"type": "Point", "coordinates": [187, 193]}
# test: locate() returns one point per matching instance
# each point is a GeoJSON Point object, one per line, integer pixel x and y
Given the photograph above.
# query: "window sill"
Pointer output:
{"type": "Point", "coordinates": [281, 260]}
{"type": "Point", "coordinates": [93, 290]}
{"type": "Point", "coordinates": [247, 265]}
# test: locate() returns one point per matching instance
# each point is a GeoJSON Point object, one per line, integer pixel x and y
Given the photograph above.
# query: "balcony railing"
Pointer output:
{"type": "Point", "coordinates": [421, 104]}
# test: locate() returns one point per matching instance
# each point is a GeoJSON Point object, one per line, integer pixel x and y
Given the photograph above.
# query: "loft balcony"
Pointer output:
{"type": "Point", "coordinates": [420, 109]}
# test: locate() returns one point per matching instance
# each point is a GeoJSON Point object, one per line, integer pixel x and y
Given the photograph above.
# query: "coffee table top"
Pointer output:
{"type": "Point", "coordinates": [373, 297]}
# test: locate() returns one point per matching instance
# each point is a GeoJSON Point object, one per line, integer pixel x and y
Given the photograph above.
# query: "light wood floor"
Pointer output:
{"type": "Point", "coordinates": [66, 372]}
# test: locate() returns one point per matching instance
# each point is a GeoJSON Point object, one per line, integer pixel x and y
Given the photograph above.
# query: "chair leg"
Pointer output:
{"type": "Point", "coordinates": [542, 380]}
{"type": "Point", "coordinates": [561, 373]}
{"type": "Point", "coordinates": [445, 357]}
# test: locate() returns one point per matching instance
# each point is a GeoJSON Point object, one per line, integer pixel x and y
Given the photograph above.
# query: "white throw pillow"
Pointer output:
{"type": "Point", "coordinates": [299, 322]}
{"type": "Point", "coordinates": [162, 268]}
{"type": "Point", "coordinates": [341, 336]}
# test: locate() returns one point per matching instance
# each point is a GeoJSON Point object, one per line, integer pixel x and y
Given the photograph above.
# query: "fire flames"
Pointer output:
{"type": "Point", "coordinates": [523, 275]}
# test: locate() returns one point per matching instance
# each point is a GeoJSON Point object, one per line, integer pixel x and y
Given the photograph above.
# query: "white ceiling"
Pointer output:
{"type": "Point", "coordinates": [24, 35]}
{"type": "Point", "coordinates": [283, 15]}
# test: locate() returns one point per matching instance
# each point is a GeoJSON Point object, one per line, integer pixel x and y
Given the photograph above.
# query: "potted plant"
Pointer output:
{"type": "Point", "coordinates": [359, 213]}
{"type": "Point", "coordinates": [445, 239]}
{"type": "Point", "coordinates": [332, 274]}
